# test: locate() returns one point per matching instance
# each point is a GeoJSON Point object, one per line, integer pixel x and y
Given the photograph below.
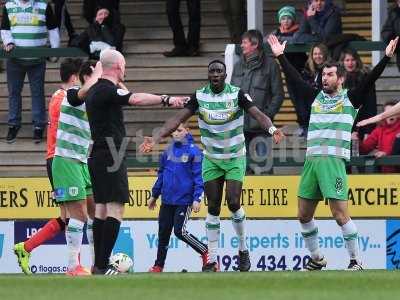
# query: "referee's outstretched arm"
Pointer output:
{"type": "Point", "coordinates": [151, 99]}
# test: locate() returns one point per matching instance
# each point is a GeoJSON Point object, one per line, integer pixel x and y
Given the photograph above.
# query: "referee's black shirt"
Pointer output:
{"type": "Point", "coordinates": [104, 102]}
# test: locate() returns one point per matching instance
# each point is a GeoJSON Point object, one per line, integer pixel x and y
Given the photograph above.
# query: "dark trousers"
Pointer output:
{"type": "Point", "coordinates": [175, 22]}
{"type": "Point", "coordinates": [15, 81]}
{"type": "Point", "coordinates": [175, 216]}
{"type": "Point", "coordinates": [234, 12]}
{"type": "Point", "coordinates": [59, 8]}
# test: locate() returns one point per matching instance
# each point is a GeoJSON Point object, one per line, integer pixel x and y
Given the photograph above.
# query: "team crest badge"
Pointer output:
{"type": "Point", "coordinates": [185, 158]}
{"type": "Point", "coordinates": [73, 191]}
{"type": "Point", "coordinates": [339, 185]}
{"type": "Point", "coordinates": [229, 104]}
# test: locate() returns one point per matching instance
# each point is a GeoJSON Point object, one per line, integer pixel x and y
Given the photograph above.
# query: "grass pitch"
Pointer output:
{"type": "Point", "coordinates": [192, 286]}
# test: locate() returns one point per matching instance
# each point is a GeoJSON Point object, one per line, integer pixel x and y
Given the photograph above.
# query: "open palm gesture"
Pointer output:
{"type": "Point", "coordinates": [391, 47]}
{"type": "Point", "coordinates": [276, 47]}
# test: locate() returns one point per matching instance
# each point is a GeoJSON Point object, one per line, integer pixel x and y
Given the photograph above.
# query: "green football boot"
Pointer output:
{"type": "Point", "coordinates": [23, 257]}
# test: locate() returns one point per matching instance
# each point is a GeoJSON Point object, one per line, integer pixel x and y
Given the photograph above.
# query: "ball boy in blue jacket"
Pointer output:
{"type": "Point", "coordinates": [180, 185]}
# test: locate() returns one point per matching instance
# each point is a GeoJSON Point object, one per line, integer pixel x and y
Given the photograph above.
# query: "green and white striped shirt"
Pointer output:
{"type": "Point", "coordinates": [331, 121]}
{"type": "Point", "coordinates": [221, 120]}
{"type": "Point", "coordinates": [73, 133]}
{"type": "Point", "coordinates": [28, 22]}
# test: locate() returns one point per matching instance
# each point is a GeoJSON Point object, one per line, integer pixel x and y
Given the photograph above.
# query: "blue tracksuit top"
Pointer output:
{"type": "Point", "coordinates": [179, 179]}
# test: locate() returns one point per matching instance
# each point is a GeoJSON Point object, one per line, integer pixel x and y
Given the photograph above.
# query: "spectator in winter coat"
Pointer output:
{"type": "Point", "coordinates": [103, 34]}
{"type": "Point", "coordinates": [382, 138]}
{"type": "Point", "coordinates": [322, 19]}
{"type": "Point", "coordinates": [259, 75]}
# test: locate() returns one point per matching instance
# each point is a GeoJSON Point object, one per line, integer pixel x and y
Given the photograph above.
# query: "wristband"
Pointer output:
{"type": "Point", "coordinates": [165, 100]}
{"type": "Point", "coordinates": [272, 130]}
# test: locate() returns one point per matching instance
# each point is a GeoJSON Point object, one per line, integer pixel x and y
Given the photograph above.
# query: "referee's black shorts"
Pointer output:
{"type": "Point", "coordinates": [108, 185]}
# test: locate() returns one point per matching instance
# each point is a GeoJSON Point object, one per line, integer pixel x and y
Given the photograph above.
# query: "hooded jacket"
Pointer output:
{"type": "Point", "coordinates": [179, 180]}
{"type": "Point", "coordinates": [382, 139]}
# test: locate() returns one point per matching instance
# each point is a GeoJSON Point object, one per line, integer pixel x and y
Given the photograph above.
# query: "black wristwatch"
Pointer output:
{"type": "Point", "coordinates": [165, 100]}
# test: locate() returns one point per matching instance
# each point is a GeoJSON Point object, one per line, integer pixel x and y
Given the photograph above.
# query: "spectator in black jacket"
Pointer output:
{"type": "Point", "coordinates": [391, 28]}
{"type": "Point", "coordinates": [355, 74]}
{"type": "Point", "coordinates": [322, 20]}
{"type": "Point", "coordinates": [104, 33]}
{"type": "Point", "coordinates": [312, 74]}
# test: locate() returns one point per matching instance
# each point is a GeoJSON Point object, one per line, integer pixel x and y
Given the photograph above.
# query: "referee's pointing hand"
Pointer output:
{"type": "Point", "coordinates": [178, 101]}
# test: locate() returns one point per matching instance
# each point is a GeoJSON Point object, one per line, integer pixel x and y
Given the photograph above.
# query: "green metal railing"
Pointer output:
{"type": "Point", "coordinates": [42, 52]}
{"type": "Point", "coordinates": [77, 52]}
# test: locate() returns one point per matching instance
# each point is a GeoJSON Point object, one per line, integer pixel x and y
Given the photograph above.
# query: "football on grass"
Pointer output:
{"type": "Point", "coordinates": [122, 262]}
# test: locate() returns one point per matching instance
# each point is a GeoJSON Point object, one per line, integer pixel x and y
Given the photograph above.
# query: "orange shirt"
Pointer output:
{"type": "Point", "coordinates": [54, 115]}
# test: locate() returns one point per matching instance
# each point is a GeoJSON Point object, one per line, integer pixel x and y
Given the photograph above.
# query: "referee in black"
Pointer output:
{"type": "Point", "coordinates": [104, 101]}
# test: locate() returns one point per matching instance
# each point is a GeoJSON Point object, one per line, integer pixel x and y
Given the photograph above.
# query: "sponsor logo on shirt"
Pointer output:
{"type": "Point", "coordinates": [219, 116]}
{"type": "Point", "coordinates": [336, 107]}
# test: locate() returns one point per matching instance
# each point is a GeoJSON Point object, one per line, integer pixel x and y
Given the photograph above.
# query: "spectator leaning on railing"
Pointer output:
{"type": "Point", "coordinates": [382, 138]}
{"type": "Point", "coordinates": [27, 23]}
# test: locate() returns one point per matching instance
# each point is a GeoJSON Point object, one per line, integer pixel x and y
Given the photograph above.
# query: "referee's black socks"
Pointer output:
{"type": "Point", "coordinates": [110, 235]}
{"type": "Point", "coordinates": [98, 225]}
